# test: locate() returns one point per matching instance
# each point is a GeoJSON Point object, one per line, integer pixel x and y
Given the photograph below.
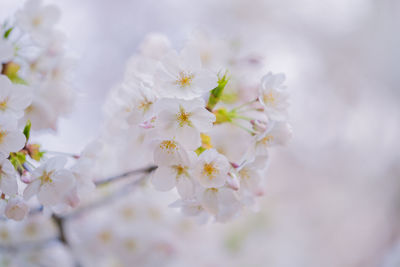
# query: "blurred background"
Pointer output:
{"type": "Point", "coordinates": [333, 196]}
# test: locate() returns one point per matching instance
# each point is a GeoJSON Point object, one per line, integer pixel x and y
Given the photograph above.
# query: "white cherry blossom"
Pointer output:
{"type": "Point", "coordinates": [182, 76]}
{"type": "Point", "coordinates": [14, 98]}
{"type": "Point", "coordinates": [183, 120]}
{"type": "Point", "coordinates": [38, 19]}
{"type": "Point", "coordinates": [211, 170]}
{"type": "Point", "coordinates": [221, 202]}
{"type": "Point", "coordinates": [274, 97]}
{"type": "Point", "coordinates": [278, 134]}
{"type": "Point", "coordinates": [169, 152]}
{"type": "Point", "coordinates": [11, 140]}
{"type": "Point", "coordinates": [51, 182]}
{"type": "Point", "coordinates": [137, 102]}
{"type": "Point", "coordinates": [251, 174]}
{"type": "Point", "coordinates": [176, 171]}
{"type": "Point", "coordinates": [192, 207]}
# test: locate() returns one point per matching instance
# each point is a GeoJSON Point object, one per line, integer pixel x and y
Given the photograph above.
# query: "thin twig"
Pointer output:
{"type": "Point", "coordinates": [123, 191]}
{"type": "Point", "coordinates": [124, 175]}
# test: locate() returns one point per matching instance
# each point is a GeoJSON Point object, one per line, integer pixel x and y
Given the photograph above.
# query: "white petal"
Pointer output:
{"type": "Point", "coordinates": [55, 163]}
{"type": "Point", "coordinates": [185, 187]}
{"type": "Point", "coordinates": [52, 193]}
{"type": "Point", "coordinates": [202, 119]}
{"type": "Point", "coordinates": [163, 179]}
{"type": "Point", "coordinates": [169, 152]}
{"type": "Point", "coordinates": [191, 59]}
{"type": "Point", "coordinates": [21, 97]}
{"type": "Point", "coordinates": [210, 200]}
{"type": "Point", "coordinates": [14, 141]}
{"type": "Point", "coordinates": [32, 189]}
{"type": "Point", "coordinates": [8, 184]}
{"type": "Point", "coordinates": [48, 195]}
{"type": "Point", "coordinates": [189, 137]}
{"type": "Point", "coordinates": [205, 81]}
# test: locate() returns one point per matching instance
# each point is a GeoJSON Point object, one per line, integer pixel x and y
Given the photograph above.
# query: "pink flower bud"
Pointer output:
{"type": "Point", "coordinates": [232, 181]}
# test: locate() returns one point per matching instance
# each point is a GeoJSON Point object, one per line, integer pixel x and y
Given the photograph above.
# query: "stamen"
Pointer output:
{"type": "Point", "coordinates": [46, 177]}
{"type": "Point", "coordinates": [2, 135]}
{"type": "Point", "coordinates": [169, 145]}
{"type": "Point", "coordinates": [184, 79]}
{"type": "Point", "coordinates": [267, 140]}
{"type": "Point", "coordinates": [269, 98]}
{"type": "Point", "coordinates": [183, 117]}
{"type": "Point", "coordinates": [3, 105]}
{"type": "Point", "coordinates": [210, 170]}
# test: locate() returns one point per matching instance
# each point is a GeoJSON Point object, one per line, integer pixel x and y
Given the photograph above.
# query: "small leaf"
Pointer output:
{"type": "Point", "coordinates": [27, 130]}
{"type": "Point", "coordinates": [8, 32]}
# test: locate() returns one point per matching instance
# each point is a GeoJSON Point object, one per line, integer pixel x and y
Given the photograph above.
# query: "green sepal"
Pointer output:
{"type": "Point", "coordinates": [34, 151]}
{"type": "Point", "coordinates": [11, 70]}
{"type": "Point", "coordinates": [200, 150]}
{"type": "Point", "coordinates": [8, 32]}
{"type": "Point", "coordinates": [216, 93]}
{"type": "Point", "coordinates": [222, 115]}
{"type": "Point", "coordinates": [27, 130]}
{"type": "Point", "coordinates": [17, 159]}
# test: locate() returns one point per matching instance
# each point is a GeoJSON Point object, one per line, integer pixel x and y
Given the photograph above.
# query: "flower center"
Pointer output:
{"type": "Point", "coordinates": [46, 177]}
{"type": "Point", "coordinates": [210, 171]}
{"type": "Point", "coordinates": [105, 236]}
{"type": "Point", "coordinates": [31, 230]}
{"type": "Point", "coordinates": [269, 98]}
{"type": "Point", "coordinates": [37, 21]}
{"type": "Point", "coordinates": [183, 117]}
{"type": "Point", "coordinates": [184, 79]}
{"type": "Point", "coordinates": [145, 105]}
{"type": "Point", "coordinates": [267, 140]}
{"type": "Point", "coordinates": [130, 244]}
{"type": "Point", "coordinates": [3, 105]}
{"type": "Point", "coordinates": [4, 235]}
{"type": "Point", "coordinates": [169, 145]}
{"type": "Point", "coordinates": [2, 135]}
{"type": "Point", "coordinates": [180, 170]}
{"type": "Point", "coordinates": [244, 174]}
{"type": "Point", "coordinates": [128, 213]}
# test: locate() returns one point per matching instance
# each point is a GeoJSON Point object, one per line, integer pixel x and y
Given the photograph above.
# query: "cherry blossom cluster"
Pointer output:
{"type": "Point", "coordinates": [32, 53]}
{"type": "Point", "coordinates": [198, 117]}
{"type": "Point", "coordinates": [34, 92]}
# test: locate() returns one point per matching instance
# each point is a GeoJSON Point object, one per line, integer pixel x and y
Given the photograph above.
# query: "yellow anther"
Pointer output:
{"type": "Point", "coordinates": [2, 135]}
{"type": "Point", "coordinates": [183, 117]}
{"type": "Point", "coordinates": [46, 177]}
{"type": "Point", "coordinates": [3, 105]}
{"type": "Point", "coordinates": [269, 98]}
{"type": "Point", "coordinates": [169, 145]}
{"type": "Point", "coordinates": [184, 79]}
{"type": "Point", "coordinates": [267, 140]}
{"type": "Point", "coordinates": [210, 170]}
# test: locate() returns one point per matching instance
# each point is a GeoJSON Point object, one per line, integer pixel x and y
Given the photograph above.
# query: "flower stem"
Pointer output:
{"type": "Point", "coordinates": [75, 156]}
{"type": "Point", "coordinates": [244, 128]}
{"type": "Point", "coordinates": [245, 104]}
